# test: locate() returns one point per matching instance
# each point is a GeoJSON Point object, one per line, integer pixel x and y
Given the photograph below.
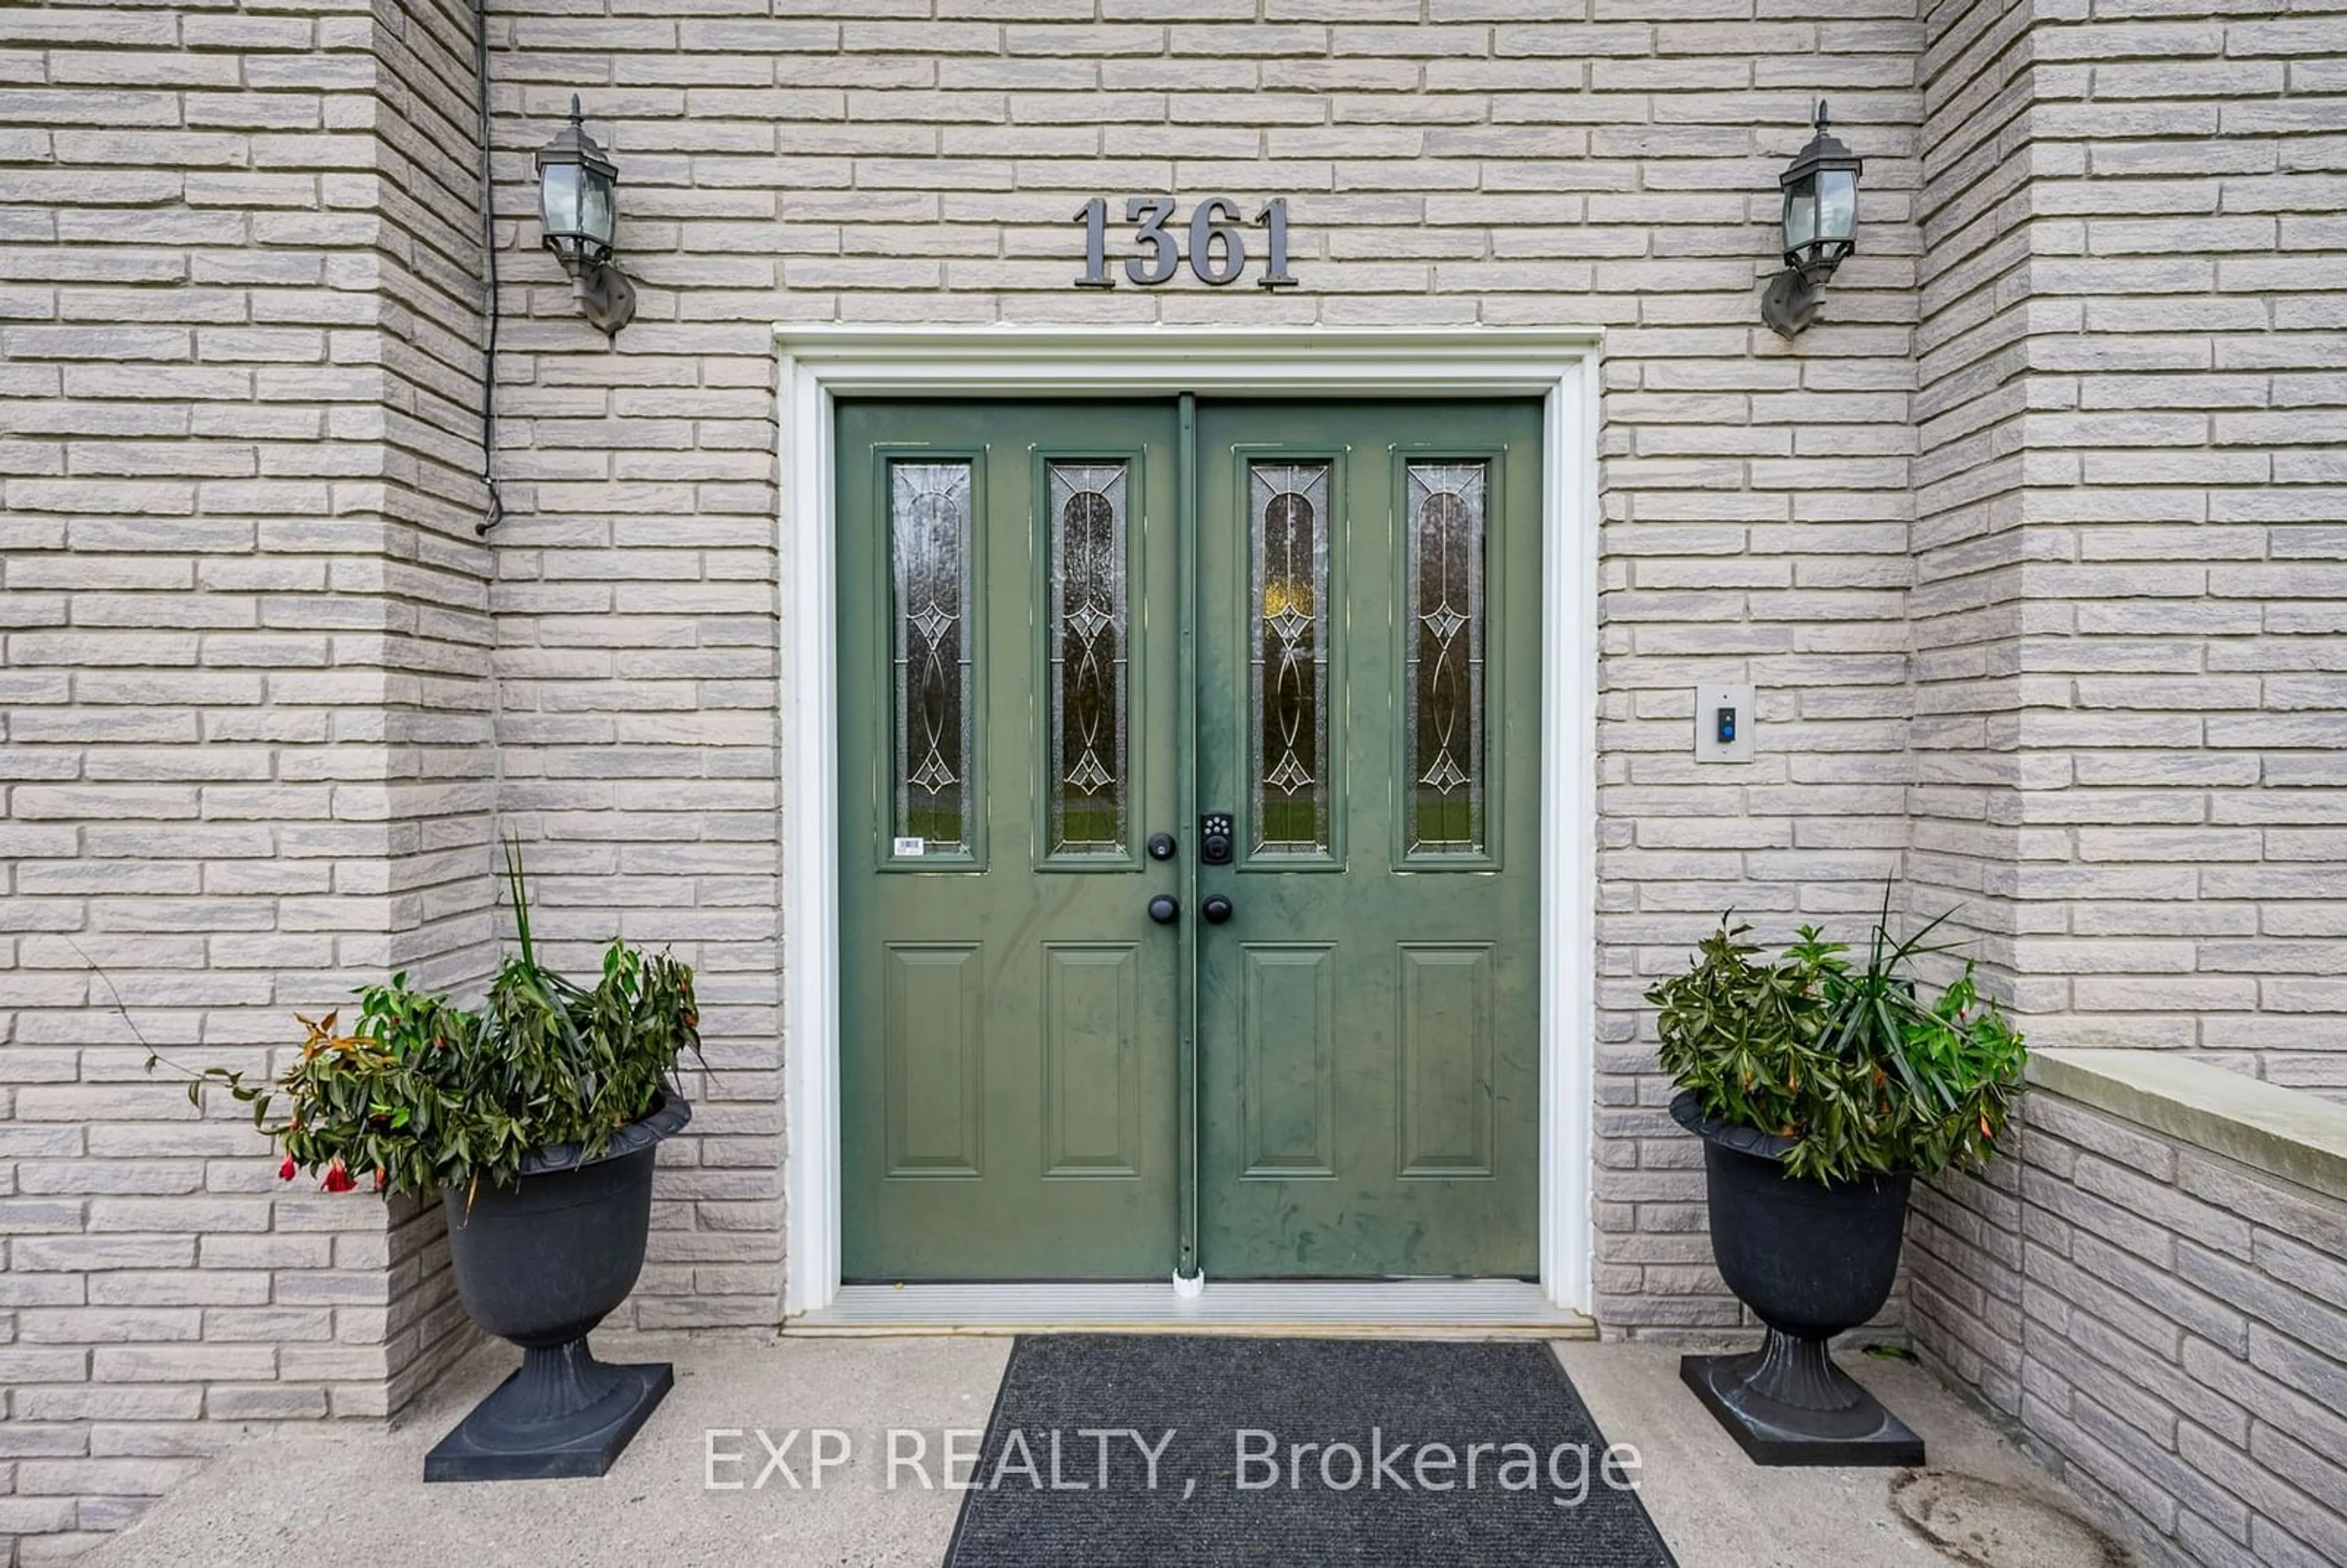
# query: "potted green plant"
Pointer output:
{"type": "Point", "coordinates": [1821, 1088]}
{"type": "Point", "coordinates": [535, 1117]}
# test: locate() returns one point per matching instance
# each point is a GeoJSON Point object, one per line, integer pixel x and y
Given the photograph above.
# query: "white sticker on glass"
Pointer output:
{"type": "Point", "coordinates": [903, 847]}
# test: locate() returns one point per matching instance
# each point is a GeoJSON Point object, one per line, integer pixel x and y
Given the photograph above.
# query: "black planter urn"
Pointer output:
{"type": "Point", "coordinates": [540, 1263]}
{"type": "Point", "coordinates": [1810, 1259]}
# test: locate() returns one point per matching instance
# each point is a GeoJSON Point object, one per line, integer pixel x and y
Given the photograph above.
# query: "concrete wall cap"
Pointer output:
{"type": "Point", "coordinates": [2285, 1132]}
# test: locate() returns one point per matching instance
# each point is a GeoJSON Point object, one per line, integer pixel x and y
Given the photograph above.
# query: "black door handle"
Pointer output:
{"type": "Point", "coordinates": [1166, 908]}
{"type": "Point", "coordinates": [1216, 909]}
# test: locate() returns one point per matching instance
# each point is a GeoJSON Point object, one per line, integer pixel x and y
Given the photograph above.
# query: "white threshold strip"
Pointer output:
{"type": "Point", "coordinates": [1481, 1308]}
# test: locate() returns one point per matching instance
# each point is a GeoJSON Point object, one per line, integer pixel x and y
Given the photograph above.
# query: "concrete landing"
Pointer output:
{"type": "Point", "coordinates": [299, 1495]}
{"type": "Point", "coordinates": [1716, 1510]}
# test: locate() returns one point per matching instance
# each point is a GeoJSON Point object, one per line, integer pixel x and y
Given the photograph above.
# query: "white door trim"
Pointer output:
{"type": "Point", "coordinates": [821, 363]}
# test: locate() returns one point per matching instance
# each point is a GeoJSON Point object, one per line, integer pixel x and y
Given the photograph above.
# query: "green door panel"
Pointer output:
{"type": "Point", "coordinates": [1367, 707]}
{"type": "Point", "coordinates": [1007, 1024]}
{"type": "Point", "coordinates": [1368, 1018]}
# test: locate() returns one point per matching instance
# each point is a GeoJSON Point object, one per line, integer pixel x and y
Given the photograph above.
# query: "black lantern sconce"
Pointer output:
{"type": "Point", "coordinates": [1820, 229]}
{"type": "Point", "coordinates": [579, 209]}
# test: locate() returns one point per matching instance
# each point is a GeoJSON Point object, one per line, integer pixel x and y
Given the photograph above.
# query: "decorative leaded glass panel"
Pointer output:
{"type": "Point", "coordinates": [1088, 650]}
{"type": "Point", "coordinates": [1288, 729]}
{"type": "Point", "coordinates": [1443, 672]}
{"type": "Point", "coordinates": [929, 546]}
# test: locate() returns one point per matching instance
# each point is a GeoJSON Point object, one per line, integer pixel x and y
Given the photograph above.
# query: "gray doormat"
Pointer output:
{"type": "Point", "coordinates": [1223, 1423]}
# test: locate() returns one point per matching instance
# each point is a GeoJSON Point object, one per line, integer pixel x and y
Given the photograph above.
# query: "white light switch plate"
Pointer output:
{"type": "Point", "coordinates": [1708, 702]}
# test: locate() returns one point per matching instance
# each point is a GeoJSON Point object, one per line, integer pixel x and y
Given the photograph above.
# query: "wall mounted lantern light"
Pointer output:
{"type": "Point", "coordinates": [578, 206]}
{"type": "Point", "coordinates": [1820, 229]}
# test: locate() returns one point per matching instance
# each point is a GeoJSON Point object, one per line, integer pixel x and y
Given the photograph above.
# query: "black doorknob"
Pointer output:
{"type": "Point", "coordinates": [1161, 847]}
{"type": "Point", "coordinates": [1216, 909]}
{"type": "Point", "coordinates": [1166, 908]}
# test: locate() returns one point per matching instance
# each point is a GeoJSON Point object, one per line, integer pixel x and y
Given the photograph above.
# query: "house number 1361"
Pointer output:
{"type": "Point", "coordinates": [1217, 248]}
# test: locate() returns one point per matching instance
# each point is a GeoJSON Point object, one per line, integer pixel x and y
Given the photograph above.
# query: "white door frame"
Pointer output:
{"type": "Point", "coordinates": [820, 362]}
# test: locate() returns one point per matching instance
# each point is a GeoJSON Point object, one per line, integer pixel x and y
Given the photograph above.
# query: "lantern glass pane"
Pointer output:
{"type": "Point", "coordinates": [596, 221]}
{"type": "Point", "coordinates": [557, 197]}
{"type": "Point", "coordinates": [1836, 205]}
{"type": "Point", "coordinates": [1800, 212]}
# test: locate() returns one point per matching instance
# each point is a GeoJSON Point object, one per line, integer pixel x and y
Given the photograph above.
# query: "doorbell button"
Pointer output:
{"type": "Point", "coordinates": [1723, 723]}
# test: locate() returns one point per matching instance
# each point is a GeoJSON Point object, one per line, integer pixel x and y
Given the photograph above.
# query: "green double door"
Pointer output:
{"type": "Point", "coordinates": [1189, 839]}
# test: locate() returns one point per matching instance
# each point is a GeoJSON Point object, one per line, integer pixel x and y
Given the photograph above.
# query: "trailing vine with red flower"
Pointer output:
{"type": "Point", "coordinates": [423, 1094]}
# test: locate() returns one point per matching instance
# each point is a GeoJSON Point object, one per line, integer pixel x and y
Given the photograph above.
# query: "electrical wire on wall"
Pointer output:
{"type": "Point", "coordinates": [497, 507]}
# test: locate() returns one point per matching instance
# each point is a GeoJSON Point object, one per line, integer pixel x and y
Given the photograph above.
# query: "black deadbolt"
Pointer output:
{"type": "Point", "coordinates": [1216, 909]}
{"type": "Point", "coordinates": [1214, 839]}
{"type": "Point", "coordinates": [1165, 909]}
{"type": "Point", "coordinates": [1161, 847]}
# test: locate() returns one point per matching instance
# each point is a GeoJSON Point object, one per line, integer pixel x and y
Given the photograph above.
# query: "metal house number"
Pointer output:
{"type": "Point", "coordinates": [1217, 249]}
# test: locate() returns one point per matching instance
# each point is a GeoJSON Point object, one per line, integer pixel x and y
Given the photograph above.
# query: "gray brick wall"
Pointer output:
{"type": "Point", "coordinates": [2168, 1327]}
{"type": "Point", "coordinates": [2183, 690]}
{"type": "Point", "coordinates": [1492, 163]}
{"type": "Point", "coordinates": [440, 709]}
{"type": "Point", "coordinates": [2131, 574]}
{"type": "Point", "coordinates": [2032, 545]}
{"type": "Point", "coordinates": [1965, 608]}
{"type": "Point", "coordinates": [244, 703]}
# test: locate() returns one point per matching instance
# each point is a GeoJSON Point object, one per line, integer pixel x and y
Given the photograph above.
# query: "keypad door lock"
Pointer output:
{"type": "Point", "coordinates": [1214, 839]}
